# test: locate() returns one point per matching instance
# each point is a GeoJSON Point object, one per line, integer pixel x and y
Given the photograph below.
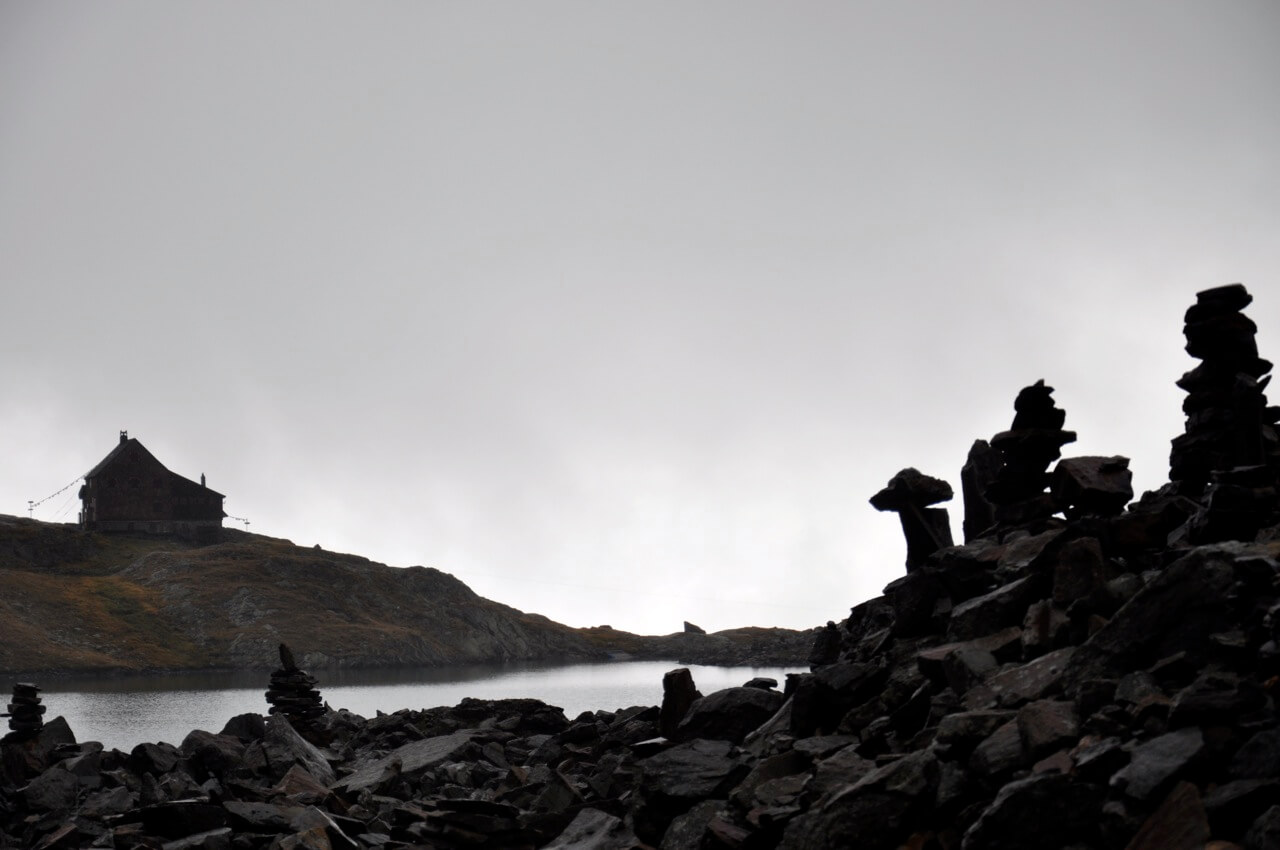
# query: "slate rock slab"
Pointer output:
{"type": "Point", "coordinates": [1156, 764]}
{"type": "Point", "coordinates": [592, 829]}
{"type": "Point", "coordinates": [867, 821]}
{"type": "Point", "coordinates": [283, 746]}
{"type": "Point", "coordinates": [1045, 811]}
{"type": "Point", "coordinates": [412, 758]}
{"type": "Point", "coordinates": [1177, 611]}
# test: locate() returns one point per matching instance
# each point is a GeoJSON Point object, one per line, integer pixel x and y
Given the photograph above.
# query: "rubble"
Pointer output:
{"type": "Point", "coordinates": [1102, 680]}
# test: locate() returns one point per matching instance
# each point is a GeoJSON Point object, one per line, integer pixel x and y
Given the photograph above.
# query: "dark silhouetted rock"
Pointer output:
{"type": "Point", "coordinates": [866, 820]}
{"type": "Point", "coordinates": [292, 692]}
{"type": "Point", "coordinates": [991, 612]}
{"type": "Point", "coordinates": [284, 747]}
{"type": "Point", "coordinates": [826, 646]}
{"type": "Point", "coordinates": [1231, 807]}
{"type": "Point", "coordinates": [246, 727]}
{"type": "Point", "coordinates": [1179, 824]}
{"type": "Point", "coordinates": [25, 713]}
{"type": "Point", "coordinates": [1156, 764]}
{"type": "Point", "coordinates": [1001, 753]}
{"type": "Point", "coordinates": [1092, 486]}
{"type": "Point", "coordinates": [909, 494]}
{"type": "Point", "coordinates": [1047, 725]}
{"type": "Point", "coordinates": [976, 477]}
{"type": "Point", "coordinates": [678, 693]}
{"type": "Point", "coordinates": [1264, 833]}
{"type": "Point", "coordinates": [729, 715]}
{"type": "Point", "coordinates": [407, 760]}
{"type": "Point", "coordinates": [593, 829]}
{"type": "Point", "coordinates": [1228, 457]}
{"type": "Point", "coordinates": [1175, 612]}
{"type": "Point", "coordinates": [765, 683]}
{"type": "Point", "coordinates": [671, 782]}
{"type": "Point", "coordinates": [1042, 811]}
{"type": "Point", "coordinates": [1031, 444]}
{"type": "Point", "coordinates": [1259, 758]}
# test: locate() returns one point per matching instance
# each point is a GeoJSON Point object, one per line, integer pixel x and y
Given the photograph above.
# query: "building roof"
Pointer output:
{"type": "Point", "coordinates": [133, 441]}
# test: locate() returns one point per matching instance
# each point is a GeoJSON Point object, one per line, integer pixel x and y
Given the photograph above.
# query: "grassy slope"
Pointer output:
{"type": "Point", "coordinates": [80, 601]}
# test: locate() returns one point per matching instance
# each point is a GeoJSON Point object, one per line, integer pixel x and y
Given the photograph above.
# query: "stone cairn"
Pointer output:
{"type": "Point", "coordinates": [25, 712]}
{"type": "Point", "coordinates": [1018, 494]}
{"type": "Point", "coordinates": [1228, 458]}
{"type": "Point", "coordinates": [909, 494]}
{"type": "Point", "coordinates": [292, 692]}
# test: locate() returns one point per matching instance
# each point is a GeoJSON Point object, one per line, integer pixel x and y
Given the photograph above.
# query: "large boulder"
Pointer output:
{"type": "Point", "coordinates": [729, 715]}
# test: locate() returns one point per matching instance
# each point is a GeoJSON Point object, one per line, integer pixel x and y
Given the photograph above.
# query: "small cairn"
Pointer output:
{"type": "Point", "coordinates": [25, 712]}
{"type": "Point", "coordinates": [292, 692]}
{"type": "Point", "coordinates": [1034, 441]}
{"type": "Point", "coordinates": [909, 494]}
{"type": "Point", "coordinates": [1228, 458]}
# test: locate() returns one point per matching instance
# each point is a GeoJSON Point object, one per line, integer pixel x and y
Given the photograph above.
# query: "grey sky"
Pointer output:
{"type": "Point", "coordinates": [618, 312]}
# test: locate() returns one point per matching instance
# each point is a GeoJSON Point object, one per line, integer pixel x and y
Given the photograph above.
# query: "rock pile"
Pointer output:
{"type": "Point", "coordinates": [25, 713]}
{"type": "Point", "coordinates": [292, 692]}
{"type": "Point", "coordinates": [1094, 682]}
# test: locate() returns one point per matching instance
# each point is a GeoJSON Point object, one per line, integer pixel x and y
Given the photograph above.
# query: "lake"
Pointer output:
{"type": "Point", "coordinates": [123, 711]}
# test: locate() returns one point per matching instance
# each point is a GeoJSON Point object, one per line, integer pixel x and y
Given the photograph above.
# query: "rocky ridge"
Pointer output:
{"type": "Point", "coordinates": [77, 600]}
{"type": "Point", "coordinates": [1077, 675]}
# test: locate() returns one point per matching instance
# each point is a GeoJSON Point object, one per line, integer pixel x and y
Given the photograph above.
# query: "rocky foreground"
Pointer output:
{"type": "Point", "coordinates": [1143, 718]}
{"type": "Point", "coordinates": [1082, 673]}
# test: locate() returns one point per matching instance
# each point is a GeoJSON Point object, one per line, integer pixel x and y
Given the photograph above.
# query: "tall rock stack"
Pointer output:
{"type": "Point", "coordinates": [1228, 459]}
{"type": "Point", "coordinates": [1034, 441]}
{"type": "Point", "coordinates": [26, 714]}
{"type": "Point", "coordinates": [976, 477]}
{"type": "Point", "coordinates": [292, 692]}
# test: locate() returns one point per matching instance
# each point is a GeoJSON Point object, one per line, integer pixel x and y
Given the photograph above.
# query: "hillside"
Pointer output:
{"type": "Point", "coordinates": [81, 601]}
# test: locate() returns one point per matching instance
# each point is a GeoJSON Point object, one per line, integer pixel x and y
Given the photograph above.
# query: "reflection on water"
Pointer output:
{"type": "Point", "coordinates": [123, 711]}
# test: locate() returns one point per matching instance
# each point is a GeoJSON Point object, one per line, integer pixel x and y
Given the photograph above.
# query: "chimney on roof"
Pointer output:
{"type": "Point", "coordinates": [202, 479]}
{"type": "Point", "coordinates": [124, 436]}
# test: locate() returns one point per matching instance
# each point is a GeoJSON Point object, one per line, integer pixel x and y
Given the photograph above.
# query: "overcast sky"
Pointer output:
{"type": "Point", "coordinates": [619, 312]}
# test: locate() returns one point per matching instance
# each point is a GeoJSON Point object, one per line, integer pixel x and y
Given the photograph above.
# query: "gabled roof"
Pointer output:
{"type": "Point", "coordinates": [133, 441]}
{"type": "Point", "coordinates": [119, 450]}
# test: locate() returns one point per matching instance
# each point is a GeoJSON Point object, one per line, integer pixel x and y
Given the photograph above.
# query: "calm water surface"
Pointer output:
{"type": "Point", "coordinates": [123, 711]}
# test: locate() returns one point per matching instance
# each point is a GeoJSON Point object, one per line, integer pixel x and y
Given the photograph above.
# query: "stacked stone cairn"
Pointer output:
{"type": "Point", "coordinates": [26, 714]}
{"type": "Point", "coordinates": [1098, 681]}
{"type": "Point", "coordinates": [909, 494]}
{"type": "Point", "coordinates": [293, 693]}
{"type": "Point", "coordinates": [1034, 441]}
{"type": "Point", "coordinates": [1228, 459]}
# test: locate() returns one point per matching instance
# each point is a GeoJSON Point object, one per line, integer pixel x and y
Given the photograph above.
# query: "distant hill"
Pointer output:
{"type": "Point", "coordinates": [84, 601]}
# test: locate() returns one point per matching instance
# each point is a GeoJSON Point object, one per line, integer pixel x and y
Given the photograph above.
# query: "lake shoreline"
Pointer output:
{"type": "Point", "coordinates": [126, 710]}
